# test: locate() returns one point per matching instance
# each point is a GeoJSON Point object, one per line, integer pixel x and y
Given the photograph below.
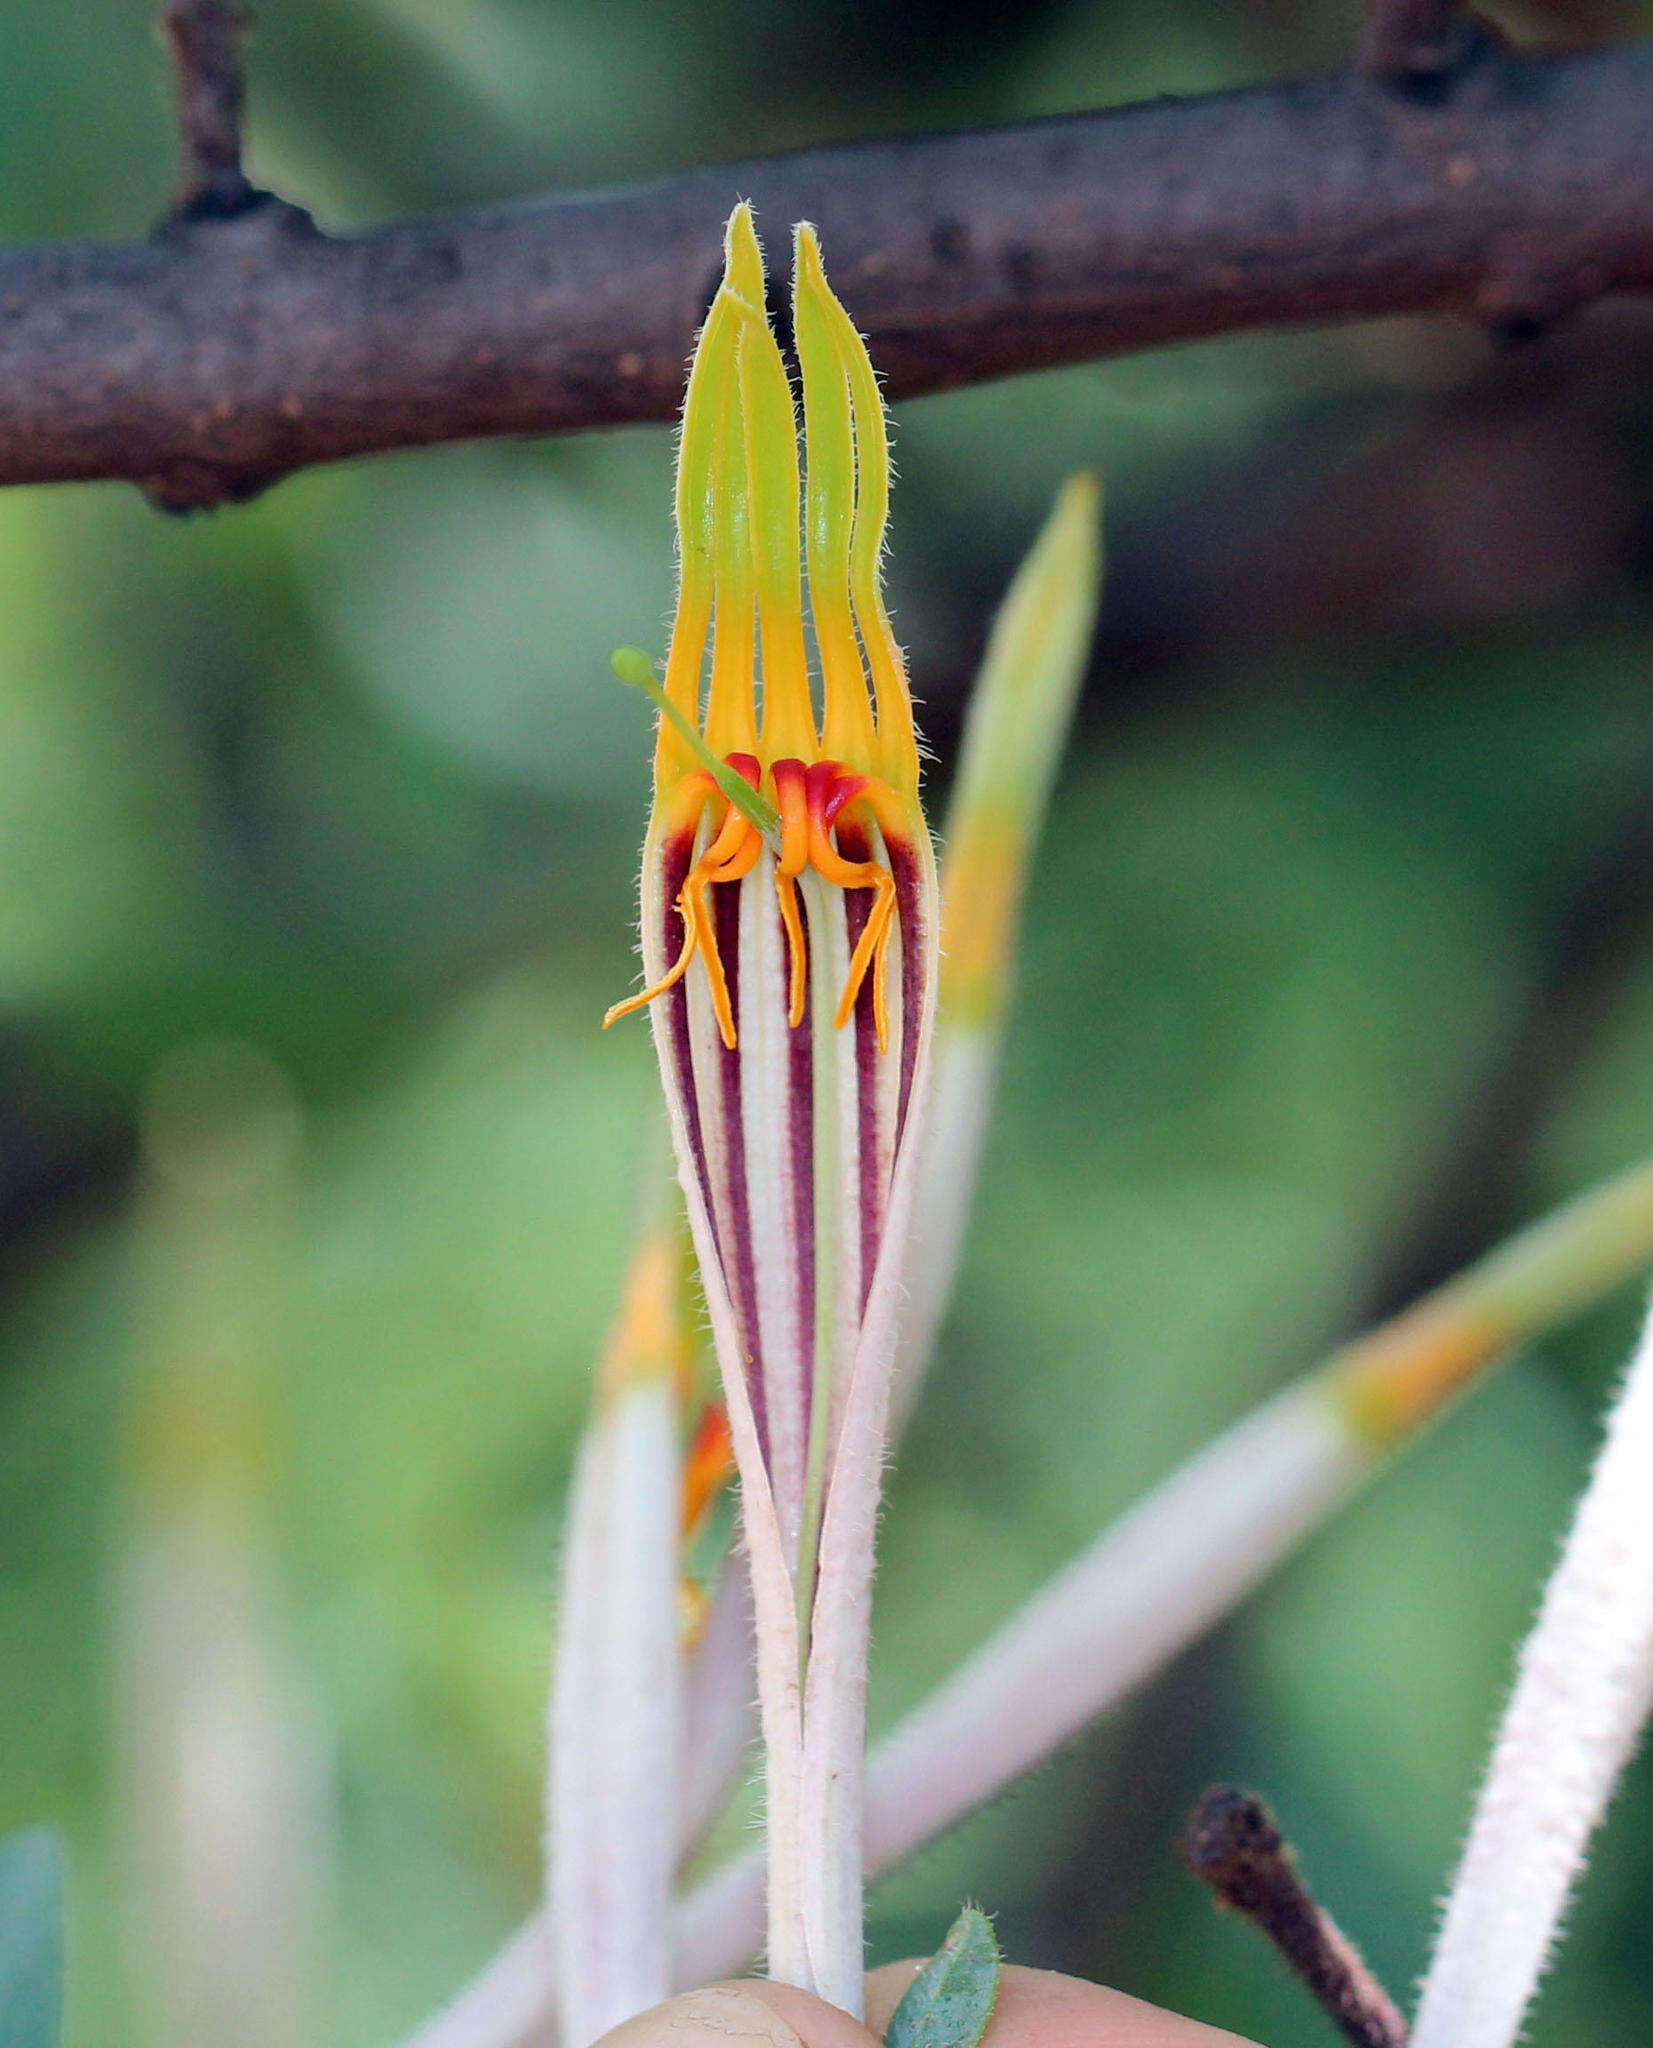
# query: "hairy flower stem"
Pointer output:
{"type": "Point", "coordinates": [1193, 1547]}
{"type": "Point", "coordinates": [1178, 1561]}
{"type": "Point", "coordinates": [1583, 1690]}
{"type": "Point", "coordinates": [789, 929]}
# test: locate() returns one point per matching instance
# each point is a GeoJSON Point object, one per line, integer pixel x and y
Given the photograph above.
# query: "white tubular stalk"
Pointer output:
{"type": "Point", "coordinates": [835, 1698]}
{"type": "Point", "coordinates": [789, 934]}
{"type": "Point", "coordinates": [615, 1732]}
{"type": "Point", "coordinates": [1177, 1561]}
{"type": "Point", "coordinates": [618, 1720]}
{"type": "Point", "coordinates": [1191, 1549]}
{"type": "Point", "coordinates": [1583, 1689]}
{"type": "Point", "coordinates": [1185, 1555]}
{"type": "Point", "coordinates": [1173, 1565]}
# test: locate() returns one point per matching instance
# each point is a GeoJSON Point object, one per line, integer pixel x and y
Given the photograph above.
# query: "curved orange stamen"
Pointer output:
{"type": "Point", "coordinates": [792, 800]}
{"type": "Point", "coordinates": [673, 975]}
{"type": "Point", "coordinates": [873, 946]}
{"type": "Point", "coordinates": [697, 910]}
{"type": "Point", "coordinates": [810, 800]}
{"type": "Point", "coordinates": [731, 838]}
{"type": "Point", "coordinates": [732, 853]}
{"type": "Point", "coordinates": [691, 799]}
{"type": "Point", "coordinates": [797, 952]}
{"type": "Point", "coordinates": [830, 790]}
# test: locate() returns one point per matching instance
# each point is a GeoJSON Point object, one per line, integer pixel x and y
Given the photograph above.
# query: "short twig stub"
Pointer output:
{"type": "Point", "coordinates": [1233, 1845]}
{"type": "Point", "coordinates": [208, 39]}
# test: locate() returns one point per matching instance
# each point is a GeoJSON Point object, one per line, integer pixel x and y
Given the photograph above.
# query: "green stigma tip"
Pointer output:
{"type": "Point", "coordinates": [633, 666]}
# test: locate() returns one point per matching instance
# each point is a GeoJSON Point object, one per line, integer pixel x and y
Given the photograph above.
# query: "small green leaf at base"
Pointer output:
{"type": "Point", "coordinates": [949, 2003]}
{"type": "Point", "coordinates": [31, 1940]}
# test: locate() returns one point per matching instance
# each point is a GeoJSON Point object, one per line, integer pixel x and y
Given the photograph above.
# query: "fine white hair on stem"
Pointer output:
{"type": "Point", "coordinates": [1583, 1690]}
{"type": "Point", "coordinates": [1315, 1443]}
{"type": "Point", "coordinates": [615, 1734]}
{"type": "Point", "coordinates": [1182, 1557]}
{"type": "Point", "coordinates": [509, 2004]}
{"type": "Point", "coordinates": [1186, 1554]}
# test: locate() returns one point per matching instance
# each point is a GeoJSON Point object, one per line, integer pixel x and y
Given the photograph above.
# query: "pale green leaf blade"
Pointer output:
{"type": "Point", "coordinates": [949, 2003]}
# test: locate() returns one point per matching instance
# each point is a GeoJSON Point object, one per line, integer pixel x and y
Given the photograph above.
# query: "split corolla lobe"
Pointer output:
{"type": "Point", "coordinates": [738, 519]}
{"type": "Point", "coordinates": [849, 873]}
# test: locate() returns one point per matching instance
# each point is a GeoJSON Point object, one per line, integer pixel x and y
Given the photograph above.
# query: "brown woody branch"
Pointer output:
{"type": "Point", "coordinates": [1234, 1846]}
{"type": "Point", "coordinates": [227, 352]}
{"type": "Point", "coordinates": [1413, 41]}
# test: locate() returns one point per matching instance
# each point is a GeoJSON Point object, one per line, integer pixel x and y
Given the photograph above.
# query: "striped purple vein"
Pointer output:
{"type": "Point", "coordinates": [738, 1259]}
{"type": "Point", "coordinates": [855, 844]}
{"type": "Point", "coordinates": [737, 1256]}
{"type": "Point", "coordinates": [800, 1064]}
{"type": "Point", "coordinates": [677, 857]}
{"type": "Point", "coordinates": [904, 867]}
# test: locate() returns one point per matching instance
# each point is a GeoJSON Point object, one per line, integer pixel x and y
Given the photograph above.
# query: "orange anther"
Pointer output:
{"type": "Point", "coordinates": [830, 790]}
{"type": "Point", "coordinates": [733, 852]}
{"type": "Point", "coordinates": [792, 800]}
{"type": "Point", "coordinates": [697, 912]}
{"type": "Point", "coordinates": [873, 946]}
{"type": "Point", "coordinates": [810, 799]}
{"type": "Point", "coordinates": [797, 951]}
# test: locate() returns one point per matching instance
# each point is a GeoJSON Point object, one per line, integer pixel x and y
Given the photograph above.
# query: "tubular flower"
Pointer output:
{"type": "Point", "coordinates": [789, 944]}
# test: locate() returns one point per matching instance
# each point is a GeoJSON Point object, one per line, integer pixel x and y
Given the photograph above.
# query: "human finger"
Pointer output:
{"type": "Point", "coordinates": [760, 2014]}
{"type": "Point", "coordinates": [1038, 2009]}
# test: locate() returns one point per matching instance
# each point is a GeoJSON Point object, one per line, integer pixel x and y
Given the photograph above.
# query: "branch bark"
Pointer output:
{"type": "Point", "coordinates": [1409, 43]}
{"type": "Point", "coordinates": [1233, 1844]}
{"type": "Point", "coordinates": [208, 38]}
{"type": "Point", "coordinates": [229, 351]}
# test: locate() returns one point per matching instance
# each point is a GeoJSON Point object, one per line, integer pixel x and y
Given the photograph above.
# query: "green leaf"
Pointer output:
{"type": "Point", "coordinates": [949, 2003]}
{"type": "Point", "coordinates": [31, 1940]}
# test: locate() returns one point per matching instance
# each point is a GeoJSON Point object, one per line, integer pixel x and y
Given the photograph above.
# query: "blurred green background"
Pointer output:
{"type": "Point", "coordinates": [1339, 964]}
